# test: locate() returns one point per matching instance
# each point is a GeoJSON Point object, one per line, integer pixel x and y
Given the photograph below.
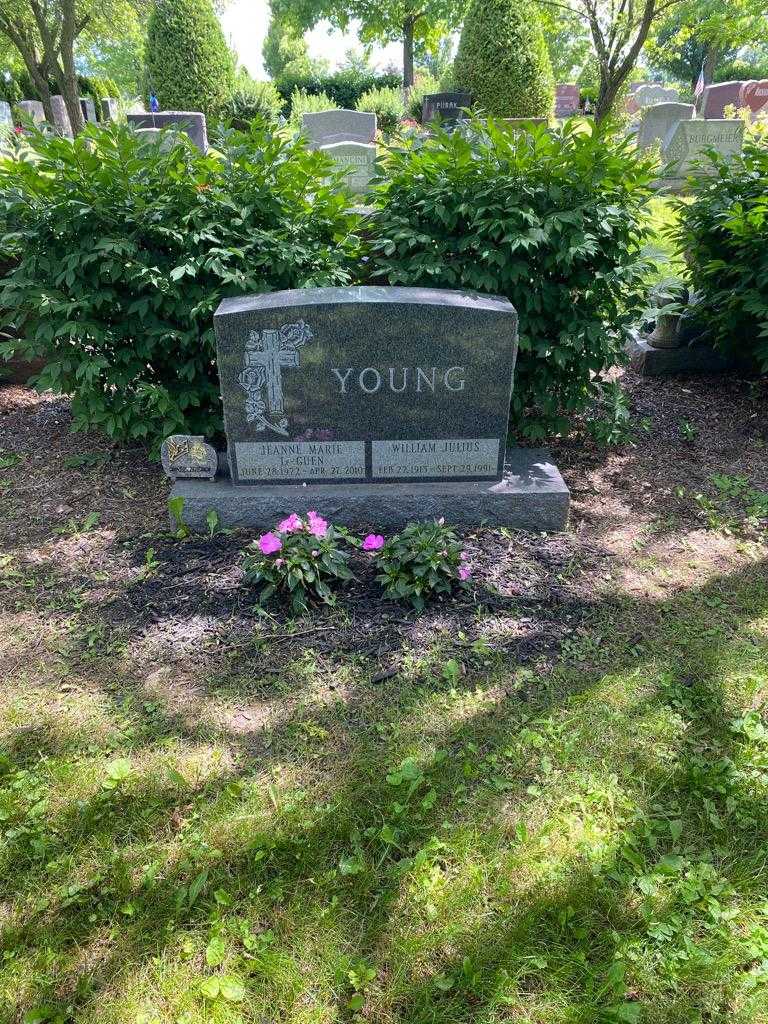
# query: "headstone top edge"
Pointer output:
{"type": "Point", "coordinates": [365, 294]}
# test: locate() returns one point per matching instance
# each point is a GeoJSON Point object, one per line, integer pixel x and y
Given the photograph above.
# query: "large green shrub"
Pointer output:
{"type": "Point", "coordinates": [344, 87]}
{"type": "Point", "coordinates": [387, 105]}
{"type": "Point", "coordinates": [423, 86]}
{"type": "Point", "coordinates": [125, 252]}
{"type": "Point", "coordinates": [723, 232]}
{"type": "Point", "coordinates": [252, 99]}
{"type": "Point", "coordinates": [552, 220]}
{"type": "Point", "coordinates": [503, 60]}
{"type": "Point", "coordinates": [187, 62]}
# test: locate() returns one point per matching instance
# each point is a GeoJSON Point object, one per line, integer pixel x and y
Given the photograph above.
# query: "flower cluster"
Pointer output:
{"type": "Point", "coordinates": [309, 561]}
{"type": "Point", "coordinates": [302, 559]}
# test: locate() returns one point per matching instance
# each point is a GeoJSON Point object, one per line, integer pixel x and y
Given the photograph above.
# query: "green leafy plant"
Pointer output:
{"type": "Point", "coordinates": [188, 64]}
{"type": "Point", "coordinates": [301, 561]}
{"type": "Point", "coordinates": [176, 511]}
{"type": "Point", "coordinates": [423, 86]}
{"type": "Point", "coordinates": [723, 230]}
{"type": "Point", "coordinates": [554, 220]}
{"type": "Point", "coordinates": [253, 100]}
{"type": "Point", "coordinates": [422, 561]}
{"type": "Point", "coordinates": [387, 105]}
{"type": "Point", "coordinates": [307, 103]}
{"type": "Point", "coordinates": [124, 251]}
{"type": "Point", "coordinates": [502, 60]}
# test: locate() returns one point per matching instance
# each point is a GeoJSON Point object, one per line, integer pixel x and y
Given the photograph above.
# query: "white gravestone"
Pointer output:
{"type": "Point", "coordinates": [648, 95]}
{"type": "Point", "coordinates": [358, 159]}
{"type": "Point", "coordinates": [325, 127]}
{"type": "Point", "coordinates": [657, 120]}
{"type": "Point", "coordinates": [686, 145]}
{"type": "Point", "coordinates": [32, 109]}
{"type": "Point", "coordinates": [61, 117]}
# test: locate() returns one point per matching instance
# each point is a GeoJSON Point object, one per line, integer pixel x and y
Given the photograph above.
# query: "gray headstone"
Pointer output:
{"type": "Point", "coordinates": [188, 457]}
{"type": "Point", "coordinates": [716, 98]}
{"type": "Point", "coordinates": [358, 159]}
{"type": "Point", "coordinates": [88, 108]}
{"type": "Point", "coordinates": [33, 109]}
{"type": "Point", "coordinates": [447, 105]}
{"type": "Point", "coordinates": [109, 108]}
{"type": "Point", "coordinates": [166, 137]}
{"type": "Point", "coordinates": [191, 122]}
{"type": "Point", "coordinates": [325, 127]}
{"type": "Point", "coordinates": [361, 385]}
{"type": "Point", "coordinates": [657, 120]}
{"type": "Point", "coordinates": [61, 117]}
{"type": "Point", "coordinates": [567, 98]}
{"type": "Point", "coordinates": [5, 114]}
{"type": "Point", "coordinates": [687, 142]}
{"type": "Point", "coordinates": [648, 95]}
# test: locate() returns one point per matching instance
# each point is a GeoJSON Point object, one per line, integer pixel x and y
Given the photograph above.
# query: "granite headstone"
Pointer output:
{"type": "Point", "coordinates": [687, 142]}
{"type": "Point", "coordinates": [61, 117]}
{"type": "Point", "coordinates": [88, 108]}
{"type": "Point", "coordinates": [32, 109]}
{"type": "Point", "coordinates": [657, 120]}
{"type": "Point", "coordinates": [326, 127]}
{"type": "Point", "coordinates": [357, 159]}
{"type": "Point", "coordinates": [191, 122]}
{"type": "Point", "coordinates": [109, 108]}
{"type": "Point", "coordinates": [188, 457]}
{"type": "Point", "coordinates": [567, 99]}
{"type": "Point", "coordinates": [754, 95]}
{"type": "Point", "coordinates": [716, 98]}
{"type": "Point", "coordinates": [449, 106]}
{"type": "Point", "coordinates": [647, 95]}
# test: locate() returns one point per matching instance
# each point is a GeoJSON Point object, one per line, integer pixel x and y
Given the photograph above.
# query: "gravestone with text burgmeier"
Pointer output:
{"type": "Point", "coordinates": [373, 405]}
{"type": "Point", "coordinates": [685, 148]}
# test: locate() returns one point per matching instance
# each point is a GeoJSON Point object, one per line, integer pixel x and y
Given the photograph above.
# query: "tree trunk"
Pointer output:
{"type": "Point", "coordinates": [408, 53]}
{"type": "Point", "coordinates": [710, 63]}
{"type": "Point", "coordinates": [607, 93]}
{"type": "Point", "coordinates": [65, 71]}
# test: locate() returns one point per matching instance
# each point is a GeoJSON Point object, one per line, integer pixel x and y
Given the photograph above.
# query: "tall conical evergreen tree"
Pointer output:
{"type": "Point", "coordinates": [503, 61]}
{"type": "Point", "coordinates": [187, 63]}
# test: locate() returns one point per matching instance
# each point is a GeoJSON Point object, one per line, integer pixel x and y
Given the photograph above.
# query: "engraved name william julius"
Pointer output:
{"type": "Point", "coordinates": [398, 379]}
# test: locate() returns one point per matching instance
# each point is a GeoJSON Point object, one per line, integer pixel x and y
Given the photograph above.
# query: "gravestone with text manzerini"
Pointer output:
{"type": "Point", "coordinates": [448, 106]}
{"type": "Point", "coordinates": [373, 405]}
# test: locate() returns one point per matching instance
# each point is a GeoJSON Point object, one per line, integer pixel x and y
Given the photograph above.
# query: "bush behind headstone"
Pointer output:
{"type": "Point", "coordinates": [124, 251]}
{"type": "Point", "coordinates": [551, 220]}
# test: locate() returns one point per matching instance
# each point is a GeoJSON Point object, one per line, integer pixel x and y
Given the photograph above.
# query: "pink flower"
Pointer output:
{"type": "Point", "coordinates": [318, 526]}
{"type": "Point", "coordinates": [464, 572]}
{"type": "Point", "coordinates": [279, 562]}
{"type": "Point", "coordinates": [269, 543]}
{"type": "Point", "coordinates": [373, 542]}
{"type": "Point", "coordinates": [315, 552]}
{"type": "Point", "coordinates": [290, 525]}
{"type": "Point", "coordinates": [463, 556]}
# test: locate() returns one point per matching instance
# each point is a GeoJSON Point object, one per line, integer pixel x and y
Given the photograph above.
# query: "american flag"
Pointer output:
{"type": "Point", "coordinates": [699, 84]}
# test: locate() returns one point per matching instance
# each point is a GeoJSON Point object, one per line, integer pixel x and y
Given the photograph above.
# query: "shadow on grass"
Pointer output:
{"type": "Point", "coordinates": [471, 886]}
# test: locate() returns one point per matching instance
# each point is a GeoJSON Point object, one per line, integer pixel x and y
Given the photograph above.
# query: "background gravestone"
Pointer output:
{"type": "Point", "coordinates": [449, 106]}
{"type": "Point", "coordinates": [716, 98]}
{"type": "Point", "coordinates": [372, 405]}
{"type": "Point", "coordinates": [755, 96]}
{"type": "Point", "coordinates": [6, 126]}
{"type": "Point", "coordinates": [89, 109]}
{"type": "Point", "coordinates": [357, 159]}
{"type": "Point", "coordinates": [167, 138]}
{"type": "Point", "coordinates": [656, 121]}
{"type": "Point", "coordinates": [647, 95]}
{"type": "Point", "coordinates": [61, 117]}
{"type": "Point", "coordinates": [109, 108]}
{"type": "Point", "coordinates": [567, 99]}
{"type": "Point", "coordinates": [325, 127]}
{"type": "Point", "coordinates": [191, 122]}
{"type": "Point", "coordinates": [33, 109]}
{"type": "Point", "coordinates": [687, 142]}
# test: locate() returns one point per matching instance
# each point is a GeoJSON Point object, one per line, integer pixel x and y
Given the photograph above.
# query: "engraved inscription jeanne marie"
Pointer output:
{"type": "Point", "coordinates": [267, 353]}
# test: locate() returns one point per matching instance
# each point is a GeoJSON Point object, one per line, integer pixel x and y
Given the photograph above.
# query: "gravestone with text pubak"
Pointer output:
{"type": "Point", "coordinates": [376, 406]}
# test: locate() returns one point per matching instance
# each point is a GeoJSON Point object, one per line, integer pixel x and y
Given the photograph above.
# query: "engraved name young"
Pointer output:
{"type": "Point", "coordinates": [359, 385]}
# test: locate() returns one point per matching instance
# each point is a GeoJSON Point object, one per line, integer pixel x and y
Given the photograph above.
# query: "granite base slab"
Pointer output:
{"type": "Point", "coordinates": [532, 496]}
{"type": "Point", "coordinates": [667, 362]}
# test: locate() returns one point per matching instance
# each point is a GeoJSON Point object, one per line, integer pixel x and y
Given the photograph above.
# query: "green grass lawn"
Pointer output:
{"type": "Point", "coordinates": [471, 840]}
{"type": "Point", "coordinates": [662, 218]}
